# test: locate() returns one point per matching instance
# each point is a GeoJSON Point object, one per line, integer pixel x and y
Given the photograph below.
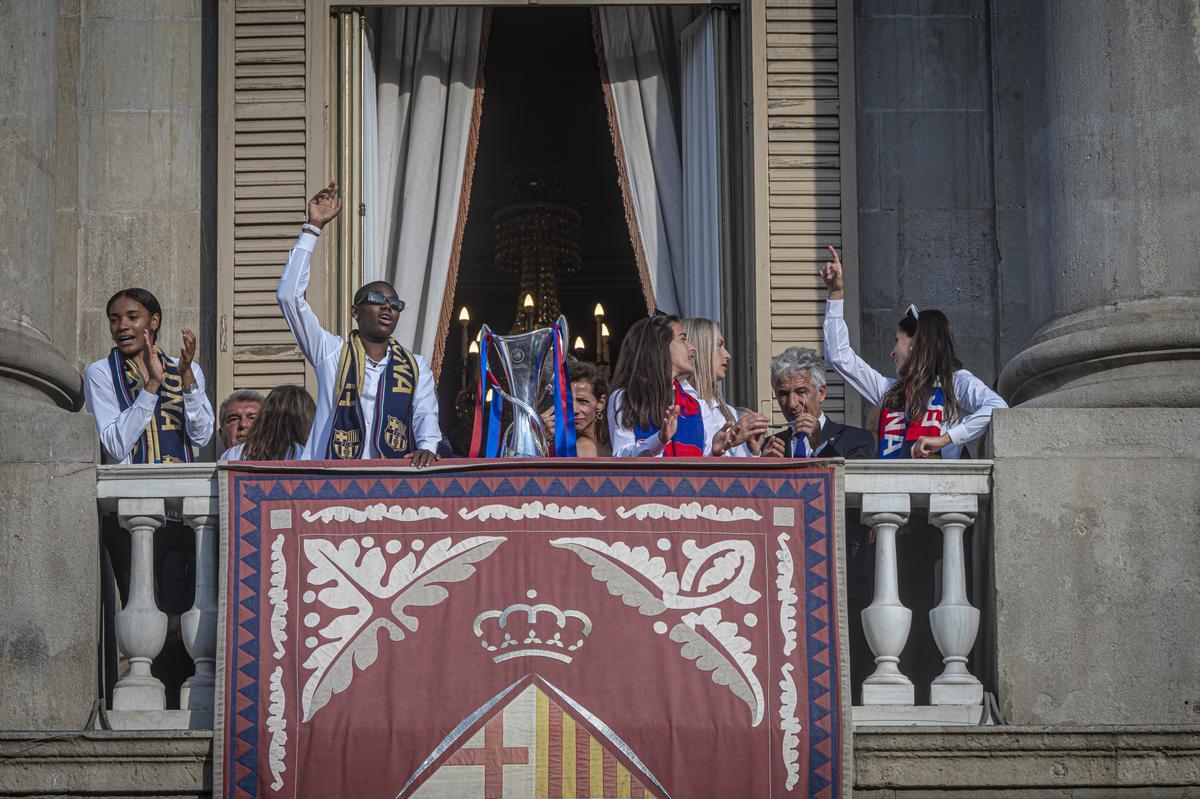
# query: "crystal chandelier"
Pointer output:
{"type": "Point", "coordinates": [537, 241]}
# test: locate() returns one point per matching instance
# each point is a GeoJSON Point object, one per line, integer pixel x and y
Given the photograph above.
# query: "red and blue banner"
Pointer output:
{"type": "Point", "coordinates": [558, 628]}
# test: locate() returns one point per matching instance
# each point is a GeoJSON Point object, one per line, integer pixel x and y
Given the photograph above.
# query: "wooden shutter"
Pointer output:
{"type": "Point", "coordinates": [809, 152]}
{"type": "Point", "coordinates": [263, 158]}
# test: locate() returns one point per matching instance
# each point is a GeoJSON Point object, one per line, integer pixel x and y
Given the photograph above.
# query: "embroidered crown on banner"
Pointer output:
{"type": "Point", "coordinates": [532, 630]}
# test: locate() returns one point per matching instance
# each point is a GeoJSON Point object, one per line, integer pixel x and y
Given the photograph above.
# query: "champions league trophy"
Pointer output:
{"type": "Point", "coordinates": [525, 373]}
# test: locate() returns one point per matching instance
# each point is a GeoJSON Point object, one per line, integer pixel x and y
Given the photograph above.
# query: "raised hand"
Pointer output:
{"type": "Point", "coordinates": [186, 355]}
{"type": "Point", "coordinates": [722, 440]}
{"type": "Point", "coordinates": [831, 273]}
{"type": "Point", "coordinates": [154, 366]}
{"type": "Point", "coordinates": [670, 424]}
{"type": "Point", "coordinates": [324, 206]}
{"type": "Point", "coordinates": [809, 426]}
{"type": "Point", "coordinates": [751, 429]}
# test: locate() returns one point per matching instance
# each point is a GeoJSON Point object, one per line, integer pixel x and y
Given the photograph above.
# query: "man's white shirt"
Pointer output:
{"type": "Point", "coordinates": [323, 350]}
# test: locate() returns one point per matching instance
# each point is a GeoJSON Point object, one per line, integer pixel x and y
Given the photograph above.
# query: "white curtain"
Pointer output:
{"type": "Point", "coordinates": [698, 278]}
{"type": "Point", "coordinates": [415, 154]}
{"type": "Point", "coordinates": [661, 73]}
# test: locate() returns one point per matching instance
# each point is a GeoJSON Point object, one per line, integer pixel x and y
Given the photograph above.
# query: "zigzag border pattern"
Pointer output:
{"type": "Point", "coordinates": [241, 743]}
{"type": "Point", "coordinates": [824, 683]}
{"type": "Point", "coordinates": [822, 668]}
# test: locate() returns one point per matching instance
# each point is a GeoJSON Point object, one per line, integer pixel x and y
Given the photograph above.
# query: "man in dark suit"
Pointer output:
{"type": "Point", "coordinates": [798, 377]}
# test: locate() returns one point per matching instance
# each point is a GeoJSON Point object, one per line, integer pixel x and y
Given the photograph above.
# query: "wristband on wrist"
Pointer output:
{"type": "Point", "coordinates": [311, 228]}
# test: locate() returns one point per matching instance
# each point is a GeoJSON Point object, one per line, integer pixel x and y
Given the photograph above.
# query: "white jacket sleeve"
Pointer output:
{"type": "Point", "coordinates": [315, 342]}
{"type": "Point", "coordinates": [977, 402]}
{"type": "Point", "coordinates": [198, 410]}
{"type": "Point", "coordinates": [626, 444]}
{"type": "Point", "coordinates": [842, 357]}
{"type": "Point", "coordinates": [427, 433]}
{"type": "Point", "coordinates": [119, 429]}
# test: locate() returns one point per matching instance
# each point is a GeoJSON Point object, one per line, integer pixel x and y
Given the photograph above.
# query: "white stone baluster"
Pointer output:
{"type": "Point", "coordinates": [955, 622]}
{"type": "Point", "coordinates": [886, 621]}
{"type": "Point", "coordinates": [141, 626]}
{"type": "Point", "coordinates": [199, 624]}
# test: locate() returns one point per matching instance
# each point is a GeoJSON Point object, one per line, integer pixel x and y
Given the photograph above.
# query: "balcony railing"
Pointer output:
{"type": "Point", "coordinates": [883, 496]}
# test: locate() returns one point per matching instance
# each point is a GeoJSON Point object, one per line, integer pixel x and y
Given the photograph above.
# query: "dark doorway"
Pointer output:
{"type": "Point", "coordinates": [543, 106]}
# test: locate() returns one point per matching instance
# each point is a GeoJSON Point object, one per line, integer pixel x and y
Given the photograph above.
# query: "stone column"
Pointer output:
{"type": "Point", "coordinates": [48, 534]}
{"type": "Point", "coordinates": [1096, 479]}
{"type": "Point", "coordinates": [1112, 157]}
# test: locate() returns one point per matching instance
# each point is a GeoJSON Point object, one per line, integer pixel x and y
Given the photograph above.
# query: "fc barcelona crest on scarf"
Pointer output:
{"type": "Point", "coordinates": [393, 403]}
{"type": "Point", "coordinates": [345, 444]}
{"type": "Point", "coordinates": [395, 434]}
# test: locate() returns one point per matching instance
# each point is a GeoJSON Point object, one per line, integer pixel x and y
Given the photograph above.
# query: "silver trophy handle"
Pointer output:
{"type": "Point", "coordinates": [539, 428]}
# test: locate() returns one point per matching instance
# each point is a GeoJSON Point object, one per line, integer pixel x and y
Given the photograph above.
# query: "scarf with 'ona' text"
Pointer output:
{"type": "Point", "coordinates": [897, 434]}
{"type": "Point", "coordinates": [393, 404]}
{"type": "Point", "coordinates": [165, 438]}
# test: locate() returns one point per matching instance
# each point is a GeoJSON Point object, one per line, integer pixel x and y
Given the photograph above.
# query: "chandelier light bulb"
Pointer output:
{"type": "Point", "coordinates": [604, 331]}
{"type": "Point", "coordinates": [528, 301]}
{"type": "Point", "coordinates": [579, 345]}
{"type": "Point", "coordinates": [474, 349]}
{"type": "Point", "coordinates": [464, 315]}
{"type": "Point", "coordinates": [599, 312]}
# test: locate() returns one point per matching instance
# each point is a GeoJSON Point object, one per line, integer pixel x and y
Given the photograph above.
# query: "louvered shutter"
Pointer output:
{"type": "Point", "coordinates": [807, 189]}
{"type": "Point", "coordinates": [261, 186]}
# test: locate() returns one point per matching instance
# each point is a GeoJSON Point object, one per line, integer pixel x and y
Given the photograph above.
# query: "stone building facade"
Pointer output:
{"type": "Point", "coordinates": [1031, 168]}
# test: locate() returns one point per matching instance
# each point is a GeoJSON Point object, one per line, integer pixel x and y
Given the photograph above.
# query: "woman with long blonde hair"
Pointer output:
{"type": "Point", "coordinates": [711, 364]}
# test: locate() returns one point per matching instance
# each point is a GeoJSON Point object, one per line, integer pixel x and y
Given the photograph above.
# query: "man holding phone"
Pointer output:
{"type": "Point", "coordinates": [798, 378]}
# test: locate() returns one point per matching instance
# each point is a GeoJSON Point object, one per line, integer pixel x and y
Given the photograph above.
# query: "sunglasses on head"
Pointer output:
{"type": "Point", "coordinates": [379, 298]}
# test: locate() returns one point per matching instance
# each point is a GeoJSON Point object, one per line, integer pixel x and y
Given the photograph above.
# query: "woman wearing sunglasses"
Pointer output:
{"type": "Point", "coordinates": [375, 398]}
{"type": "Point", "coordinates": [918, 417]}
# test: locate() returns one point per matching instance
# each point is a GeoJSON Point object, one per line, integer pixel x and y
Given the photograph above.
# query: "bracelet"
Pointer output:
{"type": "Point", "coordinates": [310, 228]}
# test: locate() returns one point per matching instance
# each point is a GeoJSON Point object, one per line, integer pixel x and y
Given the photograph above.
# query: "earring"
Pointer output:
{"type": "Point", "coordinates": [599, 415]}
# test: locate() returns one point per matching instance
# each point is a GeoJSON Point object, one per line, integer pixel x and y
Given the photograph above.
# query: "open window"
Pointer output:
{"type": "Point", "coordinates": [570, 156]}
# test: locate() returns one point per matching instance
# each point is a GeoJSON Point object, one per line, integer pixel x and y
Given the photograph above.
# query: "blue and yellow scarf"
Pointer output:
{"type": "Point", "coordinates": [393, 404]}
{"type": "Point", "coordinates": [165, 439]}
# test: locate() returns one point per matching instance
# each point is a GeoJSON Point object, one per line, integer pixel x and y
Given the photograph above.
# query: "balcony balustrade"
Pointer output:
{"type": "Point", "coordinates": [884, 496]}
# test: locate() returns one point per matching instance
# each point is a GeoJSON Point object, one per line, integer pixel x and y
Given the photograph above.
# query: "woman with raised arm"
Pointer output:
{"type": "Point", "coordinates": [919, 418]}
{"type": "Point", "coordinates": [711, 365]}
{"type": "Point", "coordinates": [653, 411]}
{"type": "Point", "coordinates": [149, 407]}
{"type": "Point", "coordinates": [280, 429]}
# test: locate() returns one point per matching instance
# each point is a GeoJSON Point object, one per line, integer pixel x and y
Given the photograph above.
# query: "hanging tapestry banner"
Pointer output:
{"type": "Point", "coordinates": [533, 629]}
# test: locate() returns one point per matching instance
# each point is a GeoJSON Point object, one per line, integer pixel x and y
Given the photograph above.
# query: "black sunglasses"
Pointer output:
{"type": "Point", "coordinates": [379, 298]}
